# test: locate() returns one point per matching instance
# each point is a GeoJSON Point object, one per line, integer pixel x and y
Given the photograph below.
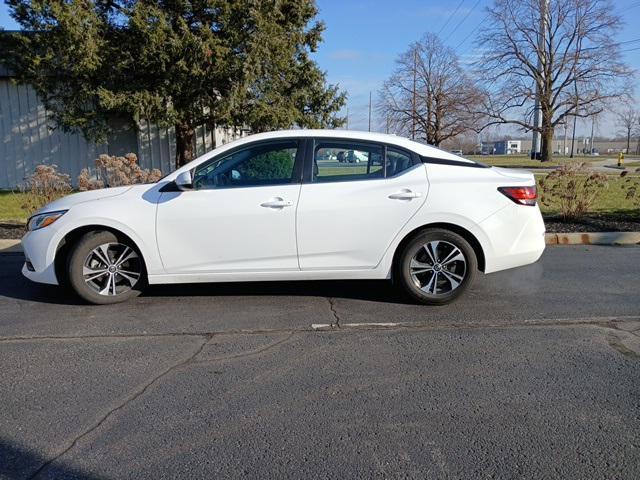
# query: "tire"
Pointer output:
{"type": "Point", "coordinates": [97, 282]}
{"type": "Point", "coordinates": [415, 268]}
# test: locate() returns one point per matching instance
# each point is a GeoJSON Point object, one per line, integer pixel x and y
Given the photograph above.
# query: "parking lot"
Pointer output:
{"type": "Point", "coordinates": [535, 373]}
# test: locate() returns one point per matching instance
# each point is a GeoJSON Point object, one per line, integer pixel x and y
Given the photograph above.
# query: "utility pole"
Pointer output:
{"type": "Point", "coordinates": [369, 110]}
{"type": "Point", "coordinates": [387, 126]}
{"type": "Point", "coordinates": [593, 122]}
{"type": "Point", "coordinates": [347, 118]}
{"type": "Point", "coordinates": [537, 119]}
{"type": "Point", "coordinates": [413, 103]}
{"type": "Point", "coordinates": [575, 118]}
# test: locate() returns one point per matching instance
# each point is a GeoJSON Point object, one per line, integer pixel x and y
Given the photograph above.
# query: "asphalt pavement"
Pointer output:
{"type": "Point", "coordinates": [535, 373]}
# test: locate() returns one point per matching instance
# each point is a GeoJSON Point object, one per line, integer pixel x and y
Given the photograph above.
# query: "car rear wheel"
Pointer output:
{"type": "Point", "coordinates": [436, 267]}
{"type": "Point", "coordinates": [104, 268]}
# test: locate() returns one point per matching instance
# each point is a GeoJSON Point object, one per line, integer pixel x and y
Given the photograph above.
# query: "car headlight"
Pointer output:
{"type": "Point", "coordinates": [44, 220]}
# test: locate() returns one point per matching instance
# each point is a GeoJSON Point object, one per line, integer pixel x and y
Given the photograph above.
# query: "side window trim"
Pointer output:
{"type": "Point", "coordinates": [310, 156]}
{"type": "Point", "coordinates": [298, 164]}
{"type": "Point", "coordinates": [415, 160]}
{"type": "Point", "coordinates": [307, 174]}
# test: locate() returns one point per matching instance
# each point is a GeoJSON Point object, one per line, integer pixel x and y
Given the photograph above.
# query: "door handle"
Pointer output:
{"type": "Point", "coordinates": [277, 202]}
{"type": "Point", "coordinates": [405, 194]}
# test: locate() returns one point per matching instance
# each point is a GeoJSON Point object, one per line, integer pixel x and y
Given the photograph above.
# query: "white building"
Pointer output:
{"type": "Point", "coordinates": [508, 147]}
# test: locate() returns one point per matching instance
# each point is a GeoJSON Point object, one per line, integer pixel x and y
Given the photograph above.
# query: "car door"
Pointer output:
{"type": "Point", "coordinates": [350, 211]}
{"type": "Point", "coordinates": [240, 214]}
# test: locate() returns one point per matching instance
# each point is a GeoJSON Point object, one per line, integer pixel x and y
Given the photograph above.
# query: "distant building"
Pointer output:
{"type": "Point", "coordinates": [26, 139]}
{"type": "Point", "coordinates": [507, 147]}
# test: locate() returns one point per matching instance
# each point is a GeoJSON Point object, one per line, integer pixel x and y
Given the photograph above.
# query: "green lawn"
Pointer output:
{"type": "Point", "coordinates": [10, 211]}
{"type": "Point", "coordinates": [525, 161]}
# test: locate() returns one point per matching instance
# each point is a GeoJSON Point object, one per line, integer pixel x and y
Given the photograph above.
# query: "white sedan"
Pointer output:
{"type": "Point", "coordinates": [264, 208]}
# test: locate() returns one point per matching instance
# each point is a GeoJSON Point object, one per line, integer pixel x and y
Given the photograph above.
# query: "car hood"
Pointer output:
{"type": "Point", "coordinates": [65, 203]}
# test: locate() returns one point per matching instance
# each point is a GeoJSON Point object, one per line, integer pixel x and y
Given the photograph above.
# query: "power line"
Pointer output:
{"type": "Point", "coordinates": [463, 20]}
{"type": "Point", "coordinates": [450, 17]}
{"type": "Point", "coordinates": [468, 35]}
{"type": "Point", "coordinates": [630, 49]}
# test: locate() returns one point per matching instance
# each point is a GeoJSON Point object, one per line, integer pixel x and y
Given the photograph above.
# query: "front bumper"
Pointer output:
{"type": "Point", "coordinates": [39, 249]}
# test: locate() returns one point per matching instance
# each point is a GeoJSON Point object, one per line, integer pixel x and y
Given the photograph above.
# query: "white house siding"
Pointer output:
{"type": "Point", "coordinates": [27, 140]}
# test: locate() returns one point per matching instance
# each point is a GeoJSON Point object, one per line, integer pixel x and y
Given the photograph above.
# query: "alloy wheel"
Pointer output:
{"type": "Point", "coordinates": [438, 267]}
{"type": "Point", "coordinates": [112, 269]}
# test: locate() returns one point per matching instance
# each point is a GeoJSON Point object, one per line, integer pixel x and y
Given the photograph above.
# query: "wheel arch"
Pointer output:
{"type": "Point", "coordinates": [463, 232]}
{"type": "Point", "coordinates": [71, 237]}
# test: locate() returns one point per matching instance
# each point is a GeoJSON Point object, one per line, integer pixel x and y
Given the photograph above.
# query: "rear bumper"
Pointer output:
{"type": "Point", "coordinates": [517, 237]}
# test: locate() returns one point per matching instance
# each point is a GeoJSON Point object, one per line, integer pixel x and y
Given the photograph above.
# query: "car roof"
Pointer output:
{"type": "Point", "coordinates": [418, 147]}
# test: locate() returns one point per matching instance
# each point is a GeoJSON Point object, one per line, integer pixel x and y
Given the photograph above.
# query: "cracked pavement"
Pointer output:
{"type": "Point", "coordinates": [535, 373]}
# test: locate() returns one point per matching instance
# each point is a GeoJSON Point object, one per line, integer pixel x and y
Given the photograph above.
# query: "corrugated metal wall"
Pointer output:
{"type": "Point", "coordinates": [27, 140]}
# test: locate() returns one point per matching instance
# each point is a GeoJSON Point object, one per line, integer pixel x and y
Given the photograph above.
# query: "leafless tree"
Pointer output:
{"type": "Point", "coordinates": [627, 120]}
{"type": "Point", "coordinates": [562, 48]}
{"type": "Point", "coordinates": [429, 96]}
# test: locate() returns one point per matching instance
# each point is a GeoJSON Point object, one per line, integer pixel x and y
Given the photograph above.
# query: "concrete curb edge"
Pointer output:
{"type": "Point", "coordinates": [593, 238]}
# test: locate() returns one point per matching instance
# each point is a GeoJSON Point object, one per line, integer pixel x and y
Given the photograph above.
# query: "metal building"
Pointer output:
{"type": "Point", "coordinates": [27, 139]}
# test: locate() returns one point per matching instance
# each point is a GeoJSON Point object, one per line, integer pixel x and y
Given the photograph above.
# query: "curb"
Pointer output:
{"type": "Point", "coordinates": [594, 238]}
{"type": "Point", "coordinates": [574, 238]}
{"type": "Point", "coordinates": [10, 246]}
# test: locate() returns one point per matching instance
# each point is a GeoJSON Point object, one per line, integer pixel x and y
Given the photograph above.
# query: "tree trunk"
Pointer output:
{"type": "Point", "coordinates": [546, 151]}
{"type": "Point", "coordinates": [184, 144]}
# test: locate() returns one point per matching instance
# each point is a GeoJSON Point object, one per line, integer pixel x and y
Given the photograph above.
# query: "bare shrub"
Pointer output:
{"type": "Point", "coordinates": [43, 186]}
{"type": "Point", "coordinates": [632, 187]}
{"type": "Point", "coordinates": [573, 188]}
{"type": "Point", "coordinates": [112, 171]}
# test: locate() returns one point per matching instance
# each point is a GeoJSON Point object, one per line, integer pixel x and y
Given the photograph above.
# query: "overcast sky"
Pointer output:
{"type": "Point", "coordinates": [363, 38]}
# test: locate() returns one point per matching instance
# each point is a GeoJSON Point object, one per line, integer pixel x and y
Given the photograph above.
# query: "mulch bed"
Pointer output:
{"type": "Point", "coordinates": [11, 230]}
{"type": "Point", "coordinates": [594, 223]}
{"type": "Point", "coordinates": [554, 224]}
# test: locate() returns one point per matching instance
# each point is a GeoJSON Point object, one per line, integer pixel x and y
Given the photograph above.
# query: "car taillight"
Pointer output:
{"type": "Point", "coordinates": [520, 195]}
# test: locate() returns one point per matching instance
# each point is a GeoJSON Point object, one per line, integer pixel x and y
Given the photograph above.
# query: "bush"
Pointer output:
{"type": "Point", "coordinates": [632, 186]}
{"type": "Point", "coordinates": [43, 186]}
{"type": "Point", "coordinates": [112, 171]}
{"type": "Point", "coordinates": [573, 187]}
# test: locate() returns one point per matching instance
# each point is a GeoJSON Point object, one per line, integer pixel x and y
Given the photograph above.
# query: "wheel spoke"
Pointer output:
{"type": "Point", "coordinates": [122, 255]}
{"type": "Point", "coordinates": [130, 255]}
{"type": "Point", "coordinates": [427, 249]}
{"type": "Point", "coordinates": [95, 276]}
{"type": "Point", "coordinates": [454, 256]}
{"type": "Point", "coordinates": [432, 285]}
{"type": "Point", "coordinates": [102, 252]}
{"type": "Point", "coordinates": [420, 267]}
{"type": "Point", "coordinates": [454, 279]}
{"type": "Point", "coordinates": [107, 288]}
{"type": "Point", "coordinates": [131, 277]}
{"type": "Point", "coordinates": [434, 288]}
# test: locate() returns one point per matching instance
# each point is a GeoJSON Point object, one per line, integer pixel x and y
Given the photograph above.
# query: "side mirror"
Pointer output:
{"type": "Point", "coordinates": [184, 181]}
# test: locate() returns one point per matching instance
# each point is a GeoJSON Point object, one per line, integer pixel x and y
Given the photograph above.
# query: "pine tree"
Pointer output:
{"type": "Point", "coordinates": [176, 63]}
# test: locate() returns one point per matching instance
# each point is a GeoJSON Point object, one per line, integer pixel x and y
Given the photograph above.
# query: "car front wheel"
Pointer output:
{"type": "Point", "coordinates": [436, 267]}
{"type": "Point", "coordinates": [104, 268]}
